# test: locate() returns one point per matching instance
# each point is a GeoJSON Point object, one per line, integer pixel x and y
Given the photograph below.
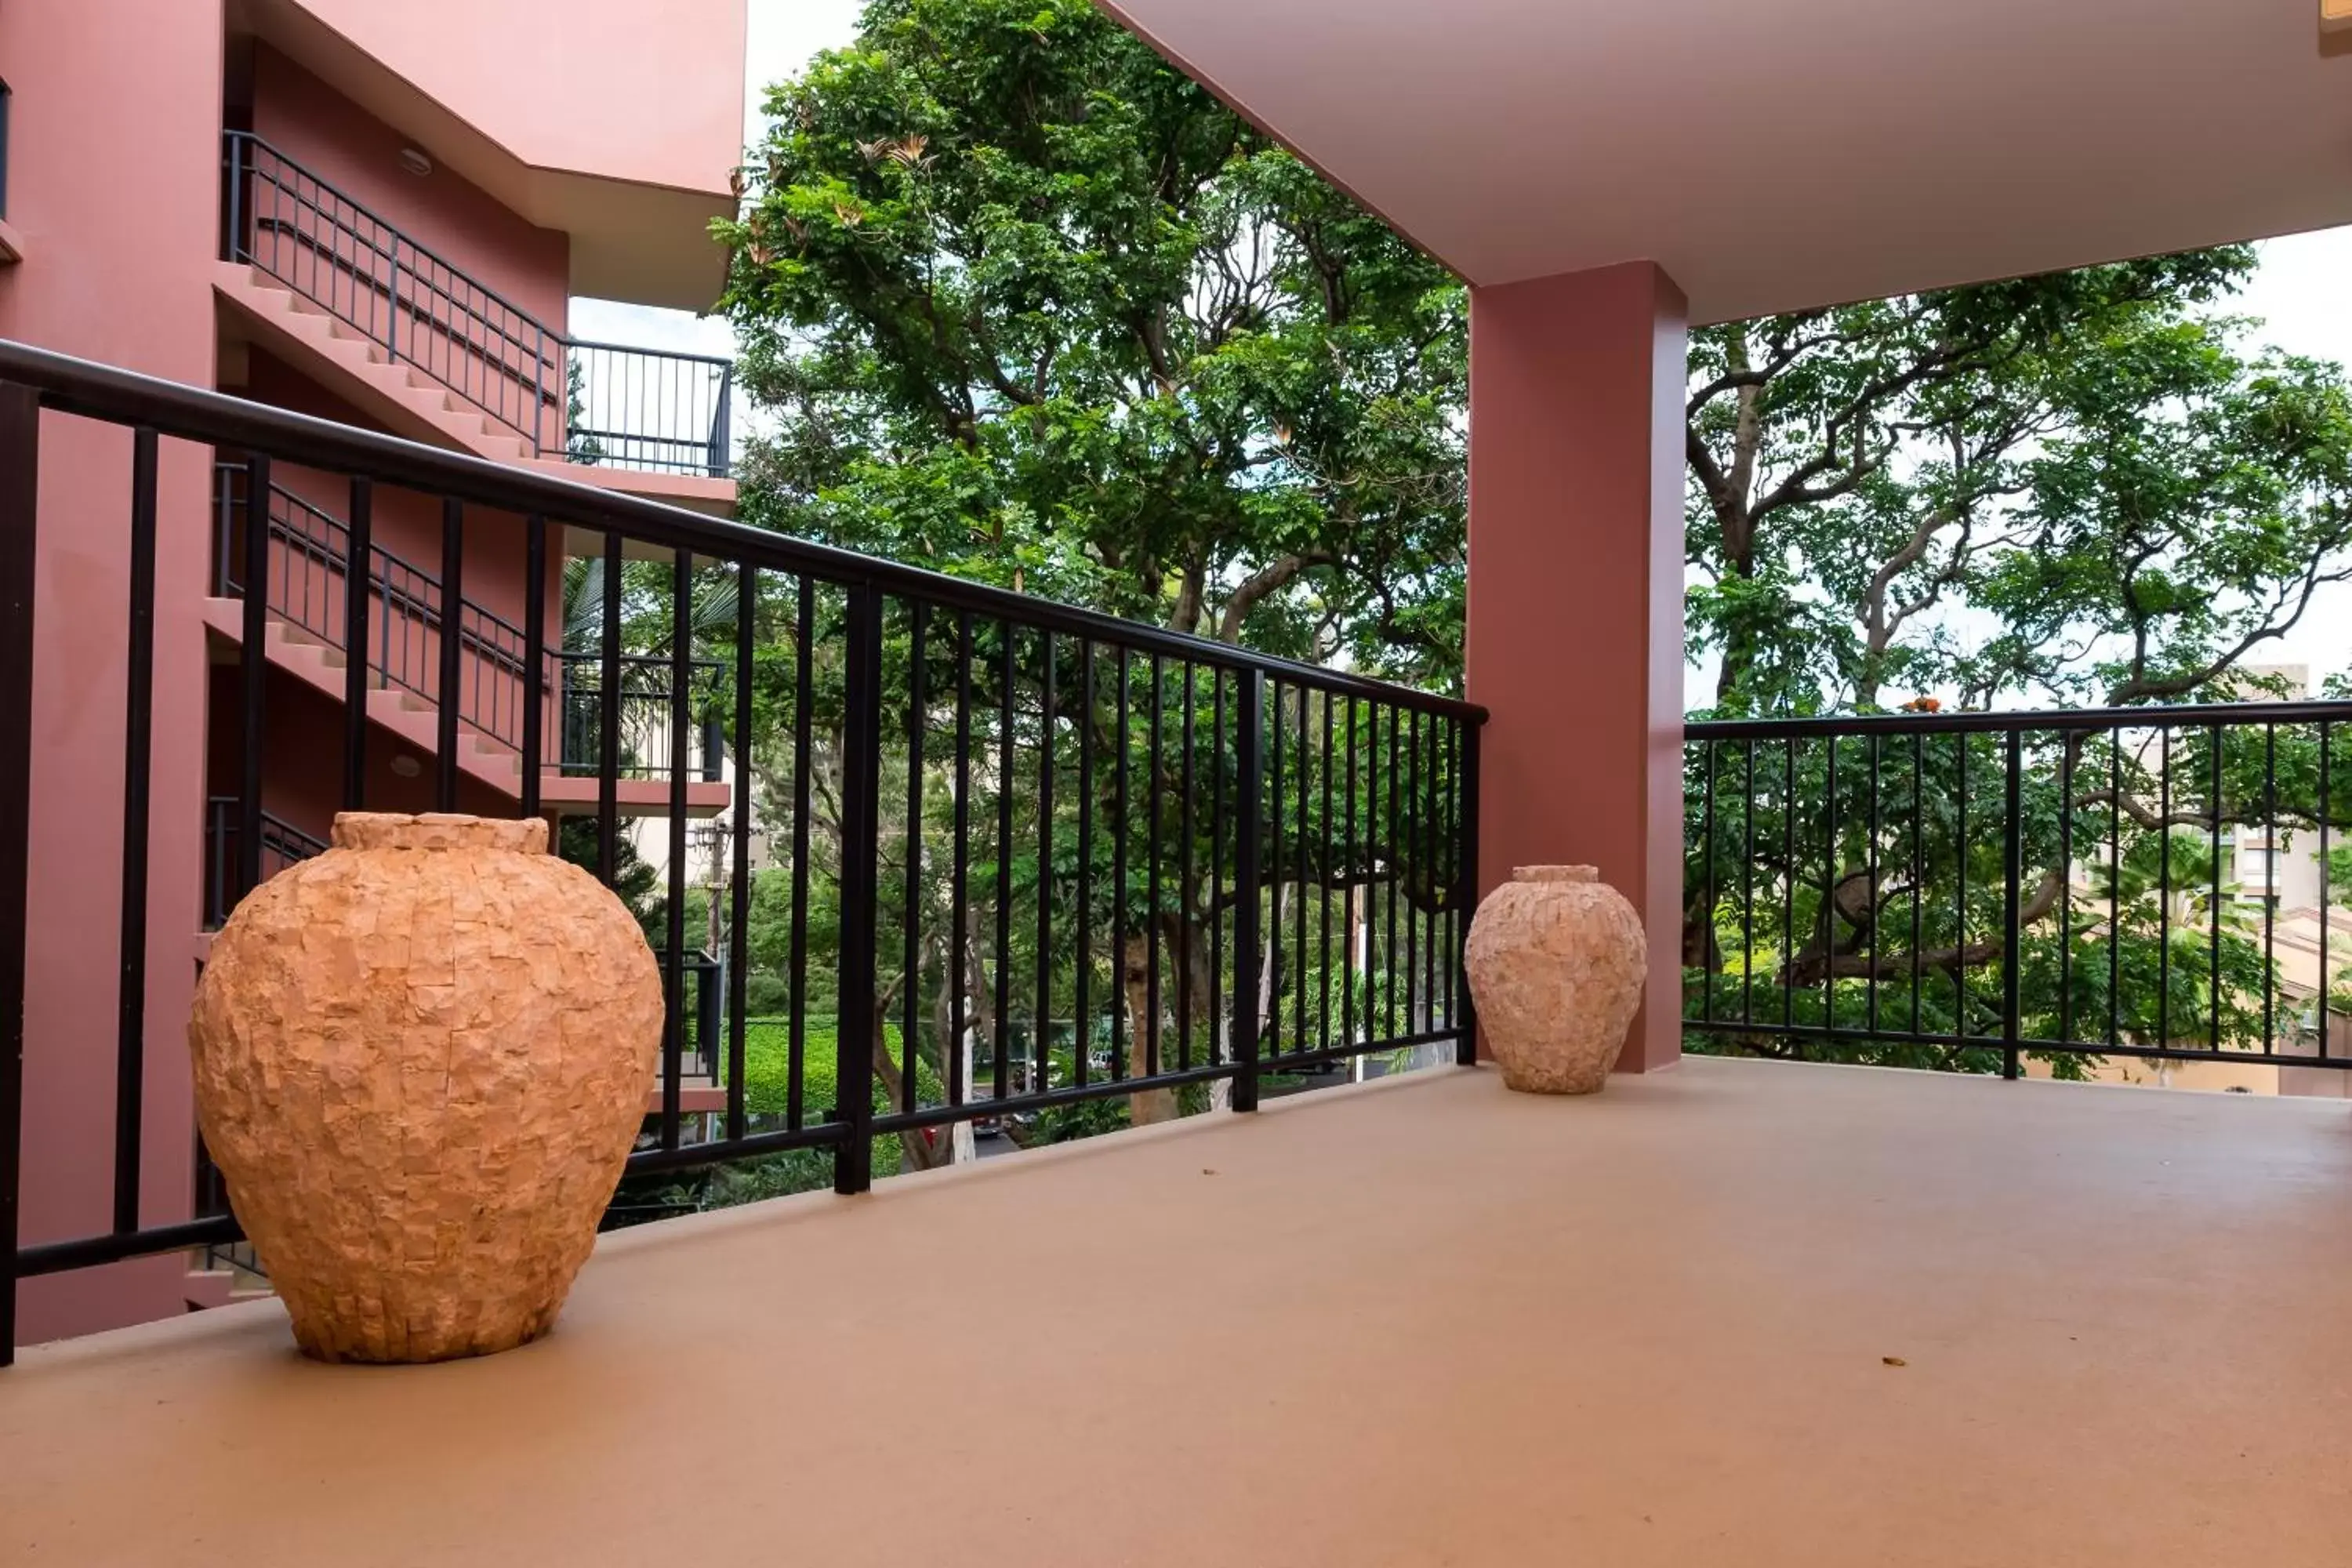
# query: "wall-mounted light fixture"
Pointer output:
{"type": "Point", "coordinates": [418, 163]}
{"type": "Point", "coordinates": [2335, 15]}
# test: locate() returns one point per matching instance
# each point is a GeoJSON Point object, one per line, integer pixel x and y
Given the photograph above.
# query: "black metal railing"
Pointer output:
{"type": "Point", "coordinates": [594, 403]}
{"type": "Point", "coordinates": [981, 813]}
{"type": "Point", "coordinates": [642, 712]}
{"type": "Point", "coordinates": [1974, 889]}
{"type": "Point", "coordinates": [282, 843]}
{"type": "Point", "coordinates": [309, 558]}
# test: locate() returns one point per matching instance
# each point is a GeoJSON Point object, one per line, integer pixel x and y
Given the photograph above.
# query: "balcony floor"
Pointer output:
{"type": "Point", "coordinates": [1426, 1322]}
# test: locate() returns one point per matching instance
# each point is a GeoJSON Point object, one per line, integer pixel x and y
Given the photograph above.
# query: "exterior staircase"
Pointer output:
{"type": "Point", "coordinates": [304, 641]}
{"type": "Point", "coordinates": [435, 355]}
{"type": "Point", "coordinates": [401, 397]}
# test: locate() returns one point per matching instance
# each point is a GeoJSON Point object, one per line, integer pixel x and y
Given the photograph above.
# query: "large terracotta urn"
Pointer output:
{"type": "Point", "coordinates": [1556, 958]}
{"type": "Point", "coordinates": [421, 1058]}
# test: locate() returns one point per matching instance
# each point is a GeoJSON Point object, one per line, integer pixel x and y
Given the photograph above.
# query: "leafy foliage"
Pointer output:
{"type": "Point", "coordinates": [1038, 309]}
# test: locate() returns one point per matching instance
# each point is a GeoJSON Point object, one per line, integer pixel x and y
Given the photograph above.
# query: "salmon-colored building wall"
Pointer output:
{"type": "Point", "coordinates": [616, 88]}
{"type": "Point", "coordinates": [114, 186]}
{"type": "Point", "coordinates": [359, 154]}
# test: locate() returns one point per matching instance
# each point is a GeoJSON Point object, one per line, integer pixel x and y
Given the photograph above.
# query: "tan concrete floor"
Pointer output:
{"type": "Point", "coordinates": [1421, 1322]}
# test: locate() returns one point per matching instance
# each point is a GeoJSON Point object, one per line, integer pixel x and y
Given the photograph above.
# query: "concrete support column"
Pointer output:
{"type": "Point", "coordinates": [1575, 634]}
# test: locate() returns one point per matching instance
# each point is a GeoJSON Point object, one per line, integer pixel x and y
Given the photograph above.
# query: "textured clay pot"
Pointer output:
{"type": "Point", "coordinates": [1557, 959]}
{"type": "Point", "coordinates": [421, 1058]}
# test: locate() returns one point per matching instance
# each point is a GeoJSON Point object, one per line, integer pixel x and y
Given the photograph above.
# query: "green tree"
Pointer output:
{"type": "Point", "coordinates": [1033, 309]}
{"type": "Point", "coordinates": [1038, 309]}
{"type": "Point", "coordinates": [2085, 464]}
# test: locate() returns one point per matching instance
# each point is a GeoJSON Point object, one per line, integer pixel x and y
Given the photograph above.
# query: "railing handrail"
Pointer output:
{"type": "Point", "coordinates": [221, 805]}
{"type": "Point", "coordinates": [572, 342]}
{"type": "Point", "coordinates": [393, 229]}
{"type": "Point", "coordinates": [519, 343]}
{"type": "Point", "coordinates": [2179, 716]}
{"type": "Point", "coordinates": [429, 614]}
{"type": "Point", "coordinates": [72, 385]}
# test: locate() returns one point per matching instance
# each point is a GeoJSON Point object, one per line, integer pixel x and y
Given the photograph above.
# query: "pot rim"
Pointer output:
{"type": "Point", "coordinates": [437, 830]}
{"type": "Point", "coordinates": [1555, 873]}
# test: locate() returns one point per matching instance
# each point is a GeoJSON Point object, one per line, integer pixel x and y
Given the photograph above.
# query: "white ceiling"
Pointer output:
{"type": "Point", "coordinates": [1777, 154]}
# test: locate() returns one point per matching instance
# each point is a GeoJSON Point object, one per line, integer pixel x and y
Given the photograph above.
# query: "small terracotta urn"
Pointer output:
{"type": "Point", "coordinates": [1556, 958]}
{"type": "Point", "coordinates": [421, 1058]}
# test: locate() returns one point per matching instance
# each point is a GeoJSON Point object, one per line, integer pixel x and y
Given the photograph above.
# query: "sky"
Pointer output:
{"type": "Point", "coordinates": [2298, 294]}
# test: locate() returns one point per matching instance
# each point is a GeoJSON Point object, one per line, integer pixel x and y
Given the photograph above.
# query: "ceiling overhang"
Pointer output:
{"type": "Point", "coordinates": [632, 240]}
{"type": "Point", "coordinates": [1778, 157]}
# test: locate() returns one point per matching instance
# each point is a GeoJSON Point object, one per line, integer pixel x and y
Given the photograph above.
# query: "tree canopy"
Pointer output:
{"type": "Point", "coordinates": [1031, 307]}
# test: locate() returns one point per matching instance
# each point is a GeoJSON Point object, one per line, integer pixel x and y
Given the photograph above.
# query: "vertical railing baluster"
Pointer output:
{"type": "Point", "coordinates": [1151, 924]}
{"type": "Point", "coordinates": [1829, 889]}
{"type": "Point", "coordinates": [2068, 747]}
{"type": "Point", "coordinates": [608, 717]}
{"type": "Point", "coordinates": [681, 723]}
{"type": "Point", "coordinates": [1003, 988]}
{"type": "Point", "coordinates": [1960, 937]}
{"type": "Point", "coordinates": [533, 700]}
{"type": "Point", "coordinates": [1082, 967]}
{"type": "Point", "coordinates": [2326, 978]}
{"type": "Point", "coordinates": [2013, 935]}
{"type": "Point", "coordinates": [1299, 882]}
{"type": "Point", "coordinates": [1322, 888]}
{"type": "Point", "coordinates": [739, 879]}
{"type": "Point", "coordinates": [1041, 1053]}
{"type": "Point", "coordinates": [1350, 912]}
{"type": "Point", "coordinates": [1249, 801]}
{"type": "Point", "coordinates": [1870, 980]}
{"type": "Point", "coordinates": [957, 893]}
{"type": "Point", "coordinates": [910, 922]}
{"type": "Point", "coordinates": [1218, 1033]}
{"type": "Point", "coordinates": [1431, 925]}
{"type": "Point", "coordinates": [1396, 862]}
{"type": "Point", "coordinates": [1187, 959]}
{"type": "Point", "coordinates": [2114, 884]}
{"type": "Point", "coordinates": [2214, 899]}
{"type": "Point", "coordinates": [2164, 889]}
{"type": "Point", "coordinates": [253, 673]}
{"type": "Point", "coordinates": [451, 649]}
{"type": "Point", "coordinates": [2270, 893]}
{"type": "Point", "coordinates": [20, 451]}
{"type": "Point", "coordinates": [803, 704]}
{"type": "Point", "coordinates": [1465, 1024]}
{"type": "Point", "coordinates": [1272, 978]}
{"type": "Point", "coordinates": [1748, 880]}
{"type": "Point", "coordinates": [1707, 882]}
{"type": "Point", "coordinates": [1121, 1023]}
{"type": "Point", "coordinates": [137, 735]}
{"type": "Point", "coordinates": [861, 799]}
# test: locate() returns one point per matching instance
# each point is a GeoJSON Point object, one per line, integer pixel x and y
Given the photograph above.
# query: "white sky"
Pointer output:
{"type": "Point", "coordinates": [2298, 295]}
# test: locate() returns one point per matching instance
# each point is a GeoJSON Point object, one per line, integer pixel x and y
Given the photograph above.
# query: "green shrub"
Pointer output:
{"type": "Point", "coordinates": [766, 995]}
{"type": "Point", "coordinates": [767, 1083]}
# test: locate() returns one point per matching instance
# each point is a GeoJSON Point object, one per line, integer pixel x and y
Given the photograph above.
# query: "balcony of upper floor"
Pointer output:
{"type": "Point", "coordinates": [614, 125]}
{"type": "Point", "coordinates": [433, 306]}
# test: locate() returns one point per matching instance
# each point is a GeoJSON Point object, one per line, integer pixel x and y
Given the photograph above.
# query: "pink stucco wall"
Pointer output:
{"type": "Point", "coordinates": [616, 87]}
{"type": "Point", "coordinates": [113, 182]}
{"type": "Point", "coordinates": [360, 155]}
{"type": "Point", "coordinates": [1575, 628]}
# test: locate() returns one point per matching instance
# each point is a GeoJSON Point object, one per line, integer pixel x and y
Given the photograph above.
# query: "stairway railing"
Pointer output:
{"type": "Point", "coordinates": [282, 845]}
{"type": "Point", "coordinates": [603, 403]}
{"type": "Point", "coordinates": [308, 558]}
